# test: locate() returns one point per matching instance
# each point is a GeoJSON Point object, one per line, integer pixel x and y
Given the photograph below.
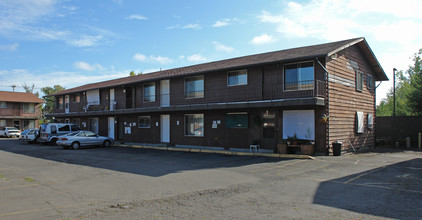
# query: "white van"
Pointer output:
{"type": "Point", "coordinates": [49, 132]}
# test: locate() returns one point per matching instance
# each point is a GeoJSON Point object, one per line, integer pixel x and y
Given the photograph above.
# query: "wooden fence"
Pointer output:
{"type": "Point", "coordinates": [390, 130]}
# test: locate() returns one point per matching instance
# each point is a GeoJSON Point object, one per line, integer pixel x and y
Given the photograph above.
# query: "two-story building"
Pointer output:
{"type": "Point", "coordinates": [20, 110]}
{"type": "Point", "coordinates": [322, 93]}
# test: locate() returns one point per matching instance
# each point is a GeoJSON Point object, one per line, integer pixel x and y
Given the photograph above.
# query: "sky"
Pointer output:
{"type": "Point", "coordinates": [76, 42]}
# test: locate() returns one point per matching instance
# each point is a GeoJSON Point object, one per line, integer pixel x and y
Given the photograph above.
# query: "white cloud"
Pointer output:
{"type": "Point", "coordinates": [136, 17]}
{"type": "Point", "coordinates": [9, 47]}
{"type": "Point", "coordinates": [263, 39]}
{"type": "Point", "coordinates": [220, 24]}
{"type": "Point", "coordinates": [86, 66]}
{"type": "Point", "coordinates": [221, 47]}
{"type": "Point", "coordinates": [85, 41]}
{"type": "Point", "coordinates": [158, 59]}
{"type": "Point", "coordinates": [188, 26]}
{"type": "Point", "coordinates": [196, 58]}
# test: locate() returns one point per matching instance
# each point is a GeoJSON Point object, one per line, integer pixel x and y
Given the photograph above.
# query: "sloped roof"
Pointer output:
{"type": "Point", "coordinates": [19, 97]}
{"type": "Point", "coordinates": [308, 52]}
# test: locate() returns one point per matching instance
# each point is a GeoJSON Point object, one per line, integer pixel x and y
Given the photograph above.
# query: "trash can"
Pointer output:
{"type": "Point", "coordinates": [336, 148]}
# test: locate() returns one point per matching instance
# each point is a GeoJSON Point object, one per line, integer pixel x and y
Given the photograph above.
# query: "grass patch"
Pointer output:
{"type": "Point", "coordinates": [29, 179]}
{"type": "Point", "coordinates": [3, 177]}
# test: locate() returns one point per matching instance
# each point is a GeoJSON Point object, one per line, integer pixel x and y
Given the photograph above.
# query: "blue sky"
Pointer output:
{"type": "Point", "coordinates": [71, 43]}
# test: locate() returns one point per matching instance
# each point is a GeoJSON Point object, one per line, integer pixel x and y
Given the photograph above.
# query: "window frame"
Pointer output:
{"type": "Point", "coordinates": [203, 125]}
{"type": "Point", "coordinates": [203, 85]}
{"type": "Point", "coordinates": [298, 85]}
{"type": "Point", "coordinates": [369, 82]}
{"type": "Point", "coordinates": [150, 84]}
{"type": "Point", "coordinates": [28, 110]}
{"type": "Point", "coordinates": [359, 83]}
{"type": "Point", "coordinates": [3, 106]}
{"type": "Point", "coordinates": [144, 116]}
{"type": "Point", "coordinates": [60, 101]}
{"type": "Point", "coordinates": [5, 122]}
{"type": "Point", "coordinates": [76, 98]}
{"type": "Point", "coordinates": [237, 72]}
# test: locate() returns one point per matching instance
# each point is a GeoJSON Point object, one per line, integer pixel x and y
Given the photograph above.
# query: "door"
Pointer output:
{"type": "Point", "coordinates": [93, 125]}
{"type": "Point", "coordinates": [112, 102]}
{"type": "Point", "coordinates": [66, 104]}
{"type": "Point", "coordinates": [165, 128]}
{"type": "Point", "coordinates": [165, 92]}
{"type": "Point", "coordinates": [111, 127]}
{"type": "Point", "coordinates": [269, 140]}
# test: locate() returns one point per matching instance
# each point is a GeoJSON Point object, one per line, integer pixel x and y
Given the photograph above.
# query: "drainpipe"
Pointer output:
{"type": "Point", "coordinates": [326, 77]}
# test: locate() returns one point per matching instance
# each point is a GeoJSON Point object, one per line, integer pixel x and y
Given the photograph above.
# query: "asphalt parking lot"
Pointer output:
{"type": "Point", "coordinates": [46, 182]}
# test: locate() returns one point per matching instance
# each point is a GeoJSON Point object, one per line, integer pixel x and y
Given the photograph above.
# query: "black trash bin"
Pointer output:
{"type": "Point", "coordinates": [336, 148]}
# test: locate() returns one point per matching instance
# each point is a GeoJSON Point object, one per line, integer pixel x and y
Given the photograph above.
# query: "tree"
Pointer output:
{"type": "Point", "coordinates": [30, 89]}
{"type": "Point", "coordinates": [408, 92]}
{"type": "Point", "coordinates": [132, 73]}
{"type": "Point", "coordinates": [49, 100]}
{"type": "Point", "coordinates": [415, 92]}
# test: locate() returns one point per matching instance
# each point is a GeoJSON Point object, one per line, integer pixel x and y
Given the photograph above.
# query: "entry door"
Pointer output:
{"type": "Point", "coordinates": [66, 103]}
{"type": "Point", "coordinates": [93, 125]}
{"type": "Point", "coordinates": [111, 127]}
{"type": "Point", "coordinates": [112, 99]}
{"type": "Point", "coordinates": [165, 92]}
{"type": "Point", "coordinates": [269, 140]}
{"type": "Point", "coordinates": [165, 128]}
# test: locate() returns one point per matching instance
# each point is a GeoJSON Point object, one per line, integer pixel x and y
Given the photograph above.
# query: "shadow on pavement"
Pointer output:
{"type": "Point", "coordinates": [393, 191]}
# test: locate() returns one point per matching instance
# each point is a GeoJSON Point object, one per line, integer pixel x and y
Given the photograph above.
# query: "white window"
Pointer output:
{"type": "Point", "coordinates": [370, 121]}
{"type": "Point", "coordinates": [237, 78]}
{"type": "Point", "coordinates": [369, 82]}
{"type": "Point", "coordinates": [359, 123]}
{"type": "Point", "coordinates": [299, 76]}
{"type": "Point", "coordinates": [93, 97]}
{"type": "Point", "coordinates": [144, 121]}
{"type": "Point", "coordinates": [359, 81]}
{"type": "Point", "coordinates": [2, 123]}
{"type": "Point", "coordinates": [3, 105]}
{"type": "Point", "coordinates": [194, 87]}
{"type": "Point", "coordinates": [194, 125]}
{"type": "Point", "coordinates": [28, 107]}
{"type": "Point", "coordinates": [300, 123]}
{"type": "Point", "coordinates": [149, 92]}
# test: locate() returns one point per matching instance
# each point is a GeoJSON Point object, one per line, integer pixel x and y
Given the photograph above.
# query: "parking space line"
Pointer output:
{"type": "Point", "coordinates": [299, 173]}
{"type": "Point", "coordinates": [41, 210]}
{"type": "Point", "coordinates": [364, 174]}
{"type": "Point", "coordinates": [275, 167]}
{"type": "Point", "coordinates": [19, 186]}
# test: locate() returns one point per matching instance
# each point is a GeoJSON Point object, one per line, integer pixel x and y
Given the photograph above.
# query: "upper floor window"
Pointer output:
{"type": "Point", "coordinates": [3, 105]}
{"type": "Point", "coordinates": [60, 100]}
{"type": "Point", "coordinates": [28, 107]}
{"type": "Point", "coordinates": [370, 82]}
{"type": "Point", "coordinates": [299, 76]}
{"type": "Point", "coordinates": [194, 87]}
{"type": "Point", "coordinates": [359, 81]}
{"type": "Point", "coordinates": [237, 78]}
{"type": "Point", "coordinates": [76, 98]}
{"type": "Point", "coordinates": [149, 92]}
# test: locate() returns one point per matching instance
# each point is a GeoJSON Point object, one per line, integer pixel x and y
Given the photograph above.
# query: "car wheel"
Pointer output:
{"type": "Point", "coordinates": [75, 145]}
{"type": "Point", "coordinates": [53, 141]}
{"type": "Point", "coordinates": [107, 144]}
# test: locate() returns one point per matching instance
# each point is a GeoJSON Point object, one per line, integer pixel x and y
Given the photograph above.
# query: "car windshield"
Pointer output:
{"type": "Point", "coordinates": [73, 133]}
{"type": "Point", "coordinates": [90, 134]}
{"type": "Point", "coordinates": [43, 128]}
{"type": "Point", "coordinates": [27, 131]}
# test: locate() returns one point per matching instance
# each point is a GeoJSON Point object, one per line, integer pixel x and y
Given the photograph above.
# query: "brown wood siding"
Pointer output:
{"type": "Point", "coordinates": [344, 100]}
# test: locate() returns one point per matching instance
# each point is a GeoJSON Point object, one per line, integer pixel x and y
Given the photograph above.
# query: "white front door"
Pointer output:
{"type": "Point", "coordinates": [66, 103]}
{"type": "Point", "coordinates": [165, 92]}
{"type": "Point", "coordinates": [112, 102]}
{"type": "Point", "coordinates": [165, 128]}
{"type": "Point", "coordinates": [111, 127]}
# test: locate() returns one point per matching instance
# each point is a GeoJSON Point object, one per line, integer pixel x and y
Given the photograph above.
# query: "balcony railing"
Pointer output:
{"type": "Point", "coordinates": [226, 95]}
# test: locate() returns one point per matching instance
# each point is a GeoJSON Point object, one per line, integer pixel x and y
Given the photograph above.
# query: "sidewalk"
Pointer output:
{"type": "Point", "coordinates": [216, 150]}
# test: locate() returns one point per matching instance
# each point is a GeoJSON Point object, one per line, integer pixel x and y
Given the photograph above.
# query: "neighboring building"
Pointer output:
{"type": "Point", "coordinates": [236, 102]}
{"type": "Point", "coordinates": [20, 110]}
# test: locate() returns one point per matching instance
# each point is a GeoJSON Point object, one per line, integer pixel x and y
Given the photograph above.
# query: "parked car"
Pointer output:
{"type": "Point", "coordinates": [50, 132]}
{"type": "Point", "coordinates": [10, 132]}
{"type": "Point", "coordinates": [30, 135]}
{"type": "Point", "coordinates": [83, 138]}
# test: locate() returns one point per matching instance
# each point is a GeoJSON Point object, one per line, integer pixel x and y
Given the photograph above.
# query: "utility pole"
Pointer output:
{"type": "Point", "coordinates": [394, 92]}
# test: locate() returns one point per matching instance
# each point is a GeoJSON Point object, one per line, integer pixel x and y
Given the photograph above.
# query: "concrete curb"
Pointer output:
{"type": "Point", "coordinates": [196, 150]}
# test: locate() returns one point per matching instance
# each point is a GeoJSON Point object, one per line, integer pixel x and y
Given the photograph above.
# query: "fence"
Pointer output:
{"type": "Point", "coordinates": [390, 130]}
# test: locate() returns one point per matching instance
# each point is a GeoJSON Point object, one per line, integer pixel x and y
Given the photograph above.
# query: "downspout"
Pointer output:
{"type": "Point", "coordinates": [326, 78]}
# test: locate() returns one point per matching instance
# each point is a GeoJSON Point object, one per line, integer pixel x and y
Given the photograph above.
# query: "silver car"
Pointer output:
{"type": "Point", "coordinates": [83, 138]}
